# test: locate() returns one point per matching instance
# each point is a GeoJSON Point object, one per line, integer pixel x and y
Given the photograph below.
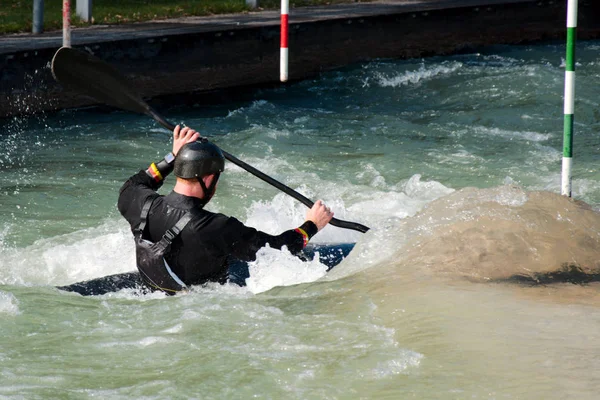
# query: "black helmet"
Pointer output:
{"type": "Point", "coordinates": [198, 159]}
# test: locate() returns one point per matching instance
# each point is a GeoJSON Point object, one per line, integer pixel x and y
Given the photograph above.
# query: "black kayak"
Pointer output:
{"type": "Point", "coordinates": [329, 255]}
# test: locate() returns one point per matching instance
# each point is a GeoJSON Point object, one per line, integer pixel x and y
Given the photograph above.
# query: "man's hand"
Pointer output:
{"type": "Point", "coordinates": [319, 214]}
{"type": "Point", "coordinates": [182, 137]}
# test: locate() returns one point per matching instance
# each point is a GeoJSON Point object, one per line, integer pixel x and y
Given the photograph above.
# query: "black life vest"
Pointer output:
{"type": "Point", "coordinates": [150, 260]}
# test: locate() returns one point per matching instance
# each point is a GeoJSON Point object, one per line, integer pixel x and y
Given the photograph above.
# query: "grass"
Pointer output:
{"type": "Point", "coordinates": [16, 15]}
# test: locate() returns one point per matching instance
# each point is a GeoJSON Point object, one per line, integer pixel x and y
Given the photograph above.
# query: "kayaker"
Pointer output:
{"type": "Point", "coordinates": [178, 242]}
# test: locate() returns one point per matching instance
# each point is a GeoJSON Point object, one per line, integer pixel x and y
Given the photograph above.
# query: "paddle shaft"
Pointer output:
{"type": "Point", "coordinates": [286, 189]}
{"type": "Point", "coordinates": [87, 73]}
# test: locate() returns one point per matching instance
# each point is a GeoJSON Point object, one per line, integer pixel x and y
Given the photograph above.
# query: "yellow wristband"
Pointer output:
{"type": "Point", "coordinates": [155, 172]}
{"type": "Point", "coordinates": [304, 236]}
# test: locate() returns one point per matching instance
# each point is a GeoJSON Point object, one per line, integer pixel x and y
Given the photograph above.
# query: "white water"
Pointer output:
{"type": "Point", "coordinates": [440, 157]}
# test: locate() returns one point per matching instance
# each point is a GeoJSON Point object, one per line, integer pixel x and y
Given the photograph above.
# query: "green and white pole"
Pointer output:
{"type": "Point", "coordinates": [569, 97]}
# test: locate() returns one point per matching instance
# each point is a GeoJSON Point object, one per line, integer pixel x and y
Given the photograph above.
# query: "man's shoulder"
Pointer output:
{"type": "Point", "coordinates": [218, 222]}
{"type": "Point", "coordinates": [203, 217]}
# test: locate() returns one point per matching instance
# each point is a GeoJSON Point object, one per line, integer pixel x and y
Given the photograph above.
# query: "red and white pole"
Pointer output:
{"type": "Point", "coordinates": [283, 57]}
{"type": "Point", "coordinates": [66, 23]}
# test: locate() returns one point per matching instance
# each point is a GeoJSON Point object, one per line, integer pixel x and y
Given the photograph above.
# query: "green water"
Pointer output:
{"type": "Point", "coordinates": [389, 144]}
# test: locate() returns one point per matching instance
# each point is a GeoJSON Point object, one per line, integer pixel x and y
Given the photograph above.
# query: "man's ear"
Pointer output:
{"type": "Point", "coordinates": [208, 179]}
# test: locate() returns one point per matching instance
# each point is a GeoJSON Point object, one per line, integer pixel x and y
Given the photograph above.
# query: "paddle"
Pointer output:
{"type": "Point", "coordinates": [83, 72]}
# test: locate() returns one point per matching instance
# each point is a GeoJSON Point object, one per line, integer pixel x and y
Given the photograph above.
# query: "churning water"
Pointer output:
{"type": "Point", "coordinates": [454, 163]}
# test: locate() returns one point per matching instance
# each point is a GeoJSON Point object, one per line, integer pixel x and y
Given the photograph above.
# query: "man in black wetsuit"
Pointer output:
{"type": "Point", "coordinates": [198, 252]}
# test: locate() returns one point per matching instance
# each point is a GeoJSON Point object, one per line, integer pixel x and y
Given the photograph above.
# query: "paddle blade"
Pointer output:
{"type": "Point", "coordinates": [87, 74]}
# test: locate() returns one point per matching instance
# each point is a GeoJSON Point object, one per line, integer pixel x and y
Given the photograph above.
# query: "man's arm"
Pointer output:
{"type": "Point", "coordinates": [247, 241]}
{"type": "Point", "coordinates": [138, 187]}
{"type": "Point", "coordinates": [159, 171]}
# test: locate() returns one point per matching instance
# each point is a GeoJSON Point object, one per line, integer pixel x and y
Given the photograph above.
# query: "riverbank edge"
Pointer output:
{"type": "Point", "coordinates": [200, 55]}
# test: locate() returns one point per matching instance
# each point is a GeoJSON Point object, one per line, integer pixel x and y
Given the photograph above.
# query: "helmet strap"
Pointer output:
{"type": "Point", "coordinates": [208, 191]}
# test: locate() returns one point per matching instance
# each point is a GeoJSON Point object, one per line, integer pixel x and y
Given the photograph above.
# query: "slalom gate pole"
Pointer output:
{"type": "Point", "coordinates": [569, 106]}
{"type": "Point", "coordinates": [66, 23]}
{"type": "Point", "coordinates": [283, 58]}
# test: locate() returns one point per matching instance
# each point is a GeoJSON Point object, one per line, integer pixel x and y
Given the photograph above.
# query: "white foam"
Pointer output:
{"type": "Point", "coordinates": [255, 106]}
{"type": "Point", "coordinates": [9, 305]}
{"type": "Point", "coordinates": [283, 212]}
{"type": "Point", "coordinates": [518, 135]}
{"type": "Point", "coordinates": [400, 364]}
{"type": "Point", "coordinates": [425, 191]}
{"type": "Point", "coordinates": [388, 213]}
{"type": "Point", "coordinates": [380, 210]}
{"type": "Point", "coordinates": [413, 77]}
{"type": "Point", "coordinates": [372, 176]}
{"type": "Point", "coordinates": [495, 60]}
{"type": "Point", "coordinates": [81, 255]}
{"type": "Point", "coordinates": [399, 201]}
{"type": "Point", "coordinates": [462, 157]}
{"type": "Point", "coordinates": [280, 268]}
{"type": "Point", "coordinates": [142, 342]}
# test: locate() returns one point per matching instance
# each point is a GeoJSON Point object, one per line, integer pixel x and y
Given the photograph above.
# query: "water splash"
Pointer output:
{"type": "Point", "coordinates": [424, 73]}
{"type": "Point", "coordinates": [280, 268]}
{"type": "Point", "coordinates": [81, 255]}
{"type": "Point", "coordinates": [485, 234]}
{"type": "Point", "coordinates": [9, 305]}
